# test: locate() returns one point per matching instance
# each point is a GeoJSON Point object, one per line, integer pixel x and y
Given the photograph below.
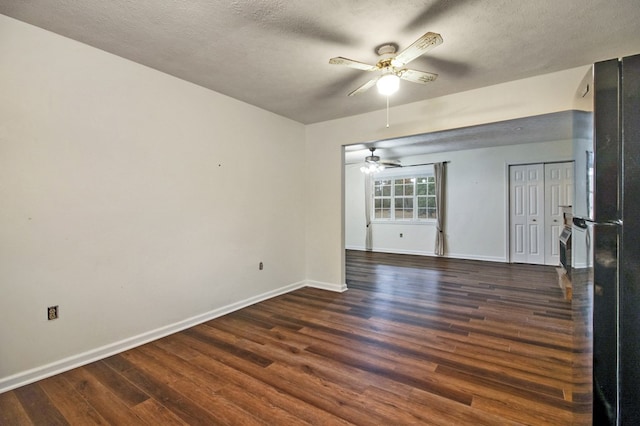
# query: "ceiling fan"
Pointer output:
{"type": "Point", "coordinates": [373, 163]}
{"type": "Point", "coordinates": [391, 65]}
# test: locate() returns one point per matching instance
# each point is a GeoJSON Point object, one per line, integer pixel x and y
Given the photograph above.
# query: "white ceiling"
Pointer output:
{"type": "Point", "coordinates": [274, 53]}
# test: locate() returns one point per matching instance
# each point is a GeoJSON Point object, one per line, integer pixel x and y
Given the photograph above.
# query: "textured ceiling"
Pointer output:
{"type": "Point", "coordinates": [274, 53]}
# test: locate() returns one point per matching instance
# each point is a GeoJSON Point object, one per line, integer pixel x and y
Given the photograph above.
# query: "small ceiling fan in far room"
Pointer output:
{"type": "Point", "coordinates": [373, 163]}
{"type": "Point", "coordinates": [392, 66]}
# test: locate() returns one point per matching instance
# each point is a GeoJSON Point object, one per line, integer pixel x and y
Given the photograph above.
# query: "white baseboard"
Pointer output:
{"type": "Point", "coordinates": [424, 253]}
{"type": "Point", "coordinates": [474, 257]}
{"type": "Point", "coordinates": [66, 364]}
{"type": "Point", "coordinates": [400, 251]}
{"type": "Point", "coordinates": [339, 288]}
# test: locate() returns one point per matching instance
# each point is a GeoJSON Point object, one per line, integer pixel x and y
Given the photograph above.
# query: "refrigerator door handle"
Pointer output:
{"type": "Point", "coordinates": [583, 222]}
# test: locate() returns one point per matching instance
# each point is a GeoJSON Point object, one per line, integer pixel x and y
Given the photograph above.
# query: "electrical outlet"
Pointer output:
{"type": "Point", "coordinates": [52, 312]}
{"type": "Point", "coordinates": [261, 266]}
{"type": "Point", "coordinates": [401, 235]}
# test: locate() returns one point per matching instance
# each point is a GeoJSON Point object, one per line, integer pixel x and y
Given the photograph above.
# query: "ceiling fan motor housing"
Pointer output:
{"type": "Point", "coordinates": [386, 49]}
{"type": "Point", "coordinates": [386, 52]}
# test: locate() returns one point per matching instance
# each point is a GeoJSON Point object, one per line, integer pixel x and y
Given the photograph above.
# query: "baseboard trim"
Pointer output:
{"type": "Point", "coordinates": [339, 288]}
{"type": "Point", "coordinates": [482, 258]}
{"type": "Point", "coordinates": [66, 364]}
{"type": "Point", "coordinates": [427, 254]}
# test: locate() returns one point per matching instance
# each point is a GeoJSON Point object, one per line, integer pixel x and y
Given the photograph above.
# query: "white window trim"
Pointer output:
{"type": "Point", "coordinates": [405, 172]}
{"type": "Point", "coordinates": [399, 173]}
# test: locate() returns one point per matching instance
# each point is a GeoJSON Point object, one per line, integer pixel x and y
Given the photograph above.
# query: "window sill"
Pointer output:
{"type": "Point", "coordinates": [403, 222]}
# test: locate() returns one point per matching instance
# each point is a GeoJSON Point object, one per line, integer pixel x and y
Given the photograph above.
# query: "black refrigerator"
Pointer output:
{"type": "Point", "coordinates": [614, 222]}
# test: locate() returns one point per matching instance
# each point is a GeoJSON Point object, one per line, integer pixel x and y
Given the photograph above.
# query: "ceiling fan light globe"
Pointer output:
{"type": "Point", "coordinates": [388, 84]}
{"type": "Point", "coordinates": [371, 168]}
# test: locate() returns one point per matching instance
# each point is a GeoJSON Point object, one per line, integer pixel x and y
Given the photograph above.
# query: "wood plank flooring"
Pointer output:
{"type": "Point", "coordinates": [415, 340]}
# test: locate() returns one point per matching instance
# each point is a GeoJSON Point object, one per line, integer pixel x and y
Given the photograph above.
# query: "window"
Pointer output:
{"type": "Point", "coordinates": [382, 199]}
{"type": "Point", "coordinates": [426, 197]}
{"type": "Point", "coordinates": [400, 198]}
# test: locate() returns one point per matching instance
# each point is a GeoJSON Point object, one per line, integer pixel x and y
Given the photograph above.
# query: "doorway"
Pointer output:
{"type": "Point", "coordinates": [537, 194]}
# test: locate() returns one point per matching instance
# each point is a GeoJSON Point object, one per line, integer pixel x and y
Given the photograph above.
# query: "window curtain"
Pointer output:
{"type": "Point", "coordinates": [439, 174]}
{"type": "Point", "coordinates": [367, 211]}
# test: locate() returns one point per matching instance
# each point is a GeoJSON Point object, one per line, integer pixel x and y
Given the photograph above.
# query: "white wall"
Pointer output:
{"type": "Point", "coordinates": [324, 141]}
{"type": "Point", "coordinates": [137, 202]}
{"type": "Point", "coordinates": [582, 249]}
{"type": "Point", "coordinates": [476, 203]}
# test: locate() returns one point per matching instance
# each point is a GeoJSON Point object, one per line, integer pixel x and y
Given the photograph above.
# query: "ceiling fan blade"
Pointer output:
{"type": "Point", "coordinates": [420, 46]}
{"type": "Point", "coordinates": [391, 163]}
{"type": "Point", "coordinates": [417, 76]}
{"type": "Point", "coordinates": [368, 85]}
{"type": "Point", "coordinates": [352, 64]}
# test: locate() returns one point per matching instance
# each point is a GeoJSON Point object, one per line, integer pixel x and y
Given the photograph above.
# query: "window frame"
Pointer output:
{"type": "Point", "coordinates": [392, 175]}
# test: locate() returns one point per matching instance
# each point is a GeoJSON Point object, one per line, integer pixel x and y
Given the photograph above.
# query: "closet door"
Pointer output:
{"type": "Point", "coordinates": [526, 190]}
{"type": "Point", "coordinates": [558, 191]}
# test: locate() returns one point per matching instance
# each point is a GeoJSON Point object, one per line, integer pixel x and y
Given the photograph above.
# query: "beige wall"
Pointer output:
{"type": "Point", "coordinates": [133, 200]}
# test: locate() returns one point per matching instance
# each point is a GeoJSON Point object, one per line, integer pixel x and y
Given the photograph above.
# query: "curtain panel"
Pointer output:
{"type": "Point", "coordinates": [368, 187]}
{"type": "Point", "coordinates": [439, 174]}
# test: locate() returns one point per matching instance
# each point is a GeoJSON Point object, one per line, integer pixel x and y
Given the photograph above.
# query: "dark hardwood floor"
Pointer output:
{"type": "Point", "coordinates": [415, 340]}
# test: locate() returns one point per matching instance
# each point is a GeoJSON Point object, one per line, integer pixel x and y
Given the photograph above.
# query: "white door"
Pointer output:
{"type": "Point", "coordinates": [558, 191]}
{"type": "Point", "coordinates": [526, 188]}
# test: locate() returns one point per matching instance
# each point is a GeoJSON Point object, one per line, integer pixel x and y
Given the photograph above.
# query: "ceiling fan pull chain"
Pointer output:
{"type": "Point", "coordinates": [387, 111]}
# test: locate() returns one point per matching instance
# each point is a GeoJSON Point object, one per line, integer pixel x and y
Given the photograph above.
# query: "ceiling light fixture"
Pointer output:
{"type": "Point", "coordinates": [388, 84]}
{"type": "Point", "coordinates": [372, 163]}
{"type": "Point", "coordinates": [371, 168]}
